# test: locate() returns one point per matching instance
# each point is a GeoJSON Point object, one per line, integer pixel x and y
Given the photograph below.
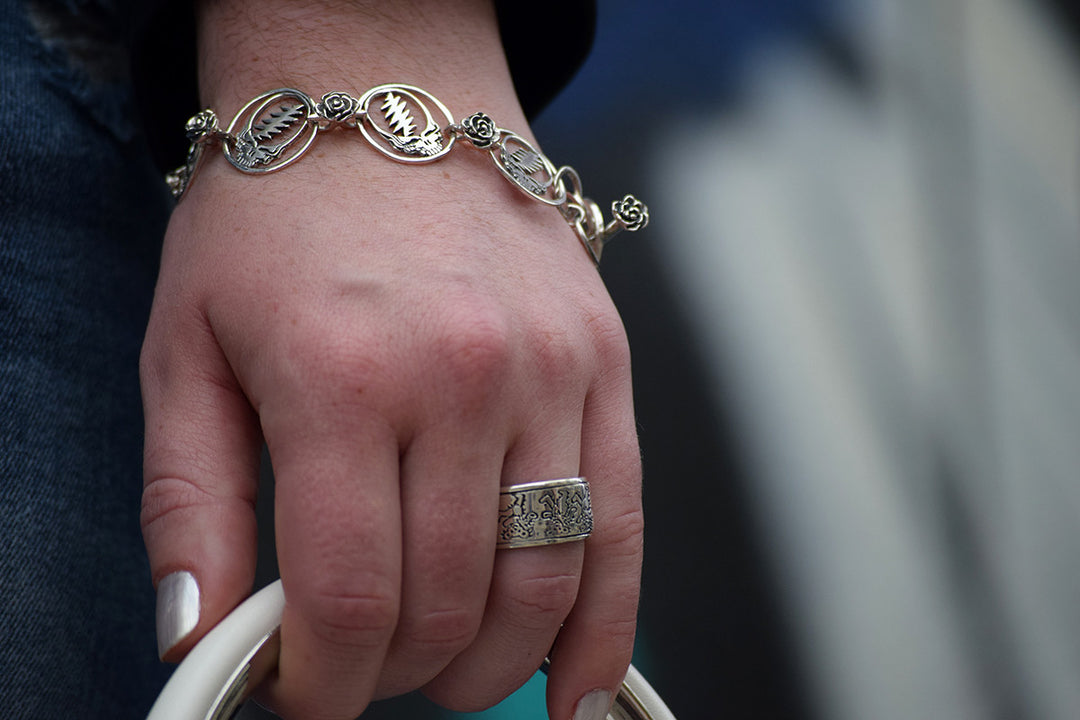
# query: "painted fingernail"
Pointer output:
{"type": "Point", "coordinates": [594, 706]}
{"type": "Point", "coordinates": [177, 609]}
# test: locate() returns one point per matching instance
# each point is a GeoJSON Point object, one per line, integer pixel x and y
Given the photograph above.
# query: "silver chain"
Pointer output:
{"type": "Point", "coordinates": [408, 125]}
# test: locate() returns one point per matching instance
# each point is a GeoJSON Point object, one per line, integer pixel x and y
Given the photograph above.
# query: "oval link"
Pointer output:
{"type": "Point", "coordinates": [527, 168]}
{"type": "Point", "coordinates": [271, 132]}
{"type": "Point", "coordinates": [403, 127]}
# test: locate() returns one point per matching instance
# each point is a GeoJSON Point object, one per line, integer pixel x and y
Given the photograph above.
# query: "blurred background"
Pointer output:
{"type": "Point", "coordinates": [855, 320]}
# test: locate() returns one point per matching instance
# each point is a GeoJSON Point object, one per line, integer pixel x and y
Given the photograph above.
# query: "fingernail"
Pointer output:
{"type": "Point", "coordinates": [177, 609]}
{"type": "Point", "coordinates": [594, 706]}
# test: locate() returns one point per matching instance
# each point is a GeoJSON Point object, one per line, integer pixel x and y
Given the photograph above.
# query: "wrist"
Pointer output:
{"type": "Point", "coordinates": [452, 49]}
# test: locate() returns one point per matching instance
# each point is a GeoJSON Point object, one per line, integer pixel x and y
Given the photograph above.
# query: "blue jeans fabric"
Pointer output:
{"type": "Point", "coordinates": [82, 212]}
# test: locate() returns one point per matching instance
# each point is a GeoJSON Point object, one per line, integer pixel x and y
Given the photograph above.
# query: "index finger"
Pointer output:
{"type": "Point", "coordinates": [338, 525]}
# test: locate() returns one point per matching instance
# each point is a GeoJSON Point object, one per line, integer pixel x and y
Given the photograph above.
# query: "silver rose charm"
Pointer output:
{"type": "Point", "coordinates": [202, 126]}
{"type": "Point", "coordinates": [336, 107]}
{"type": "Point", "coordinates": [630, 213]}
{"type": "Point", "coordinates": [480, 130]}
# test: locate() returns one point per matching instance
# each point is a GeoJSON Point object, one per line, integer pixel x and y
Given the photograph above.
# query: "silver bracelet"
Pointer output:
{"type": "Point", "coordinates": [408, 125]}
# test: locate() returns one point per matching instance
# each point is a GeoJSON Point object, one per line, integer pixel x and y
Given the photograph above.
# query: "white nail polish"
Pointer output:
{"type": "Point", "coordinates": [594, 706]}
{"type": "Point", "coordinates": [177, 609]}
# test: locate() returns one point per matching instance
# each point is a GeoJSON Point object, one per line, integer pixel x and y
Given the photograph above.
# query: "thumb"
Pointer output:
{"type": "Point", "coordinates": [201, 462]}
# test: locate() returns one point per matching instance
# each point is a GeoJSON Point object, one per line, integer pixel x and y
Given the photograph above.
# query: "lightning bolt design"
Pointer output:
{"type": "Point", "coordinates": [396, 112]}
{"type": "Point", "coordinates": [398, 121]}
{"type": "Point", "coordinates": [276, 123]}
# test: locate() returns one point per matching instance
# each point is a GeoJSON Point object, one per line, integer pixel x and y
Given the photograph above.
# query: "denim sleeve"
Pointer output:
{"type": "Point", "coordinates": [82, 212]}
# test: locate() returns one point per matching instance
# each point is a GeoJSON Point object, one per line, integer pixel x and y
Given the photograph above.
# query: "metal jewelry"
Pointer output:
{"type": "Point", "coordinates": [544, 513]}
{"type": "Point", "coordinates": [408, 125]}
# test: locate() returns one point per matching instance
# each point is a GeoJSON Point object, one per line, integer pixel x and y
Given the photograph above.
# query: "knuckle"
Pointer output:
{"type": "Point", "coordinates": [622, 534]}
{"type": "Point", "coordinates": [616, 635]}
{"type": "Point", "coordinates": [166, 496]}
{"type": "Point", "coordinates": [330, 369]}
{"type": "Point", "coordinates": [175, 504]}
{"type": "Point", "coordinates": [609, 337]}
{"type": "Point", "coordinates": [442, 632]}
{"type": "Point", "coordinates": [340, 616]}
{"type": "Point", "coordinates": [544, 597]}
{"type": "Point", "coordinates": [618, 632]}
{"type": "Point", "coordinates": [472, 345]}
{"type": "Point", "coordinates": [336, 359]}
{"type": "Point", "coordinates": [556, 355]}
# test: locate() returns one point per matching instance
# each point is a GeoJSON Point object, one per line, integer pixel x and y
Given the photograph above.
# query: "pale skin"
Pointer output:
{"type": "Point", "coordinates": [405, 340]}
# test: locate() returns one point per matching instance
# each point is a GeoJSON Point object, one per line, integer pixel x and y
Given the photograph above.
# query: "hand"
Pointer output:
{"type": "Point", "coordinates": [406, 340]}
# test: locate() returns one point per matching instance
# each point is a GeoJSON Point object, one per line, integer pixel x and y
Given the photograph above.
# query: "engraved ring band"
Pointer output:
{"type": "Point", "coordinates": [544, 513]}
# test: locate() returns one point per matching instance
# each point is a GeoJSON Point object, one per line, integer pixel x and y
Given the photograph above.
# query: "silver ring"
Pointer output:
{"type": "Point", "coordinates": [544, 513]}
